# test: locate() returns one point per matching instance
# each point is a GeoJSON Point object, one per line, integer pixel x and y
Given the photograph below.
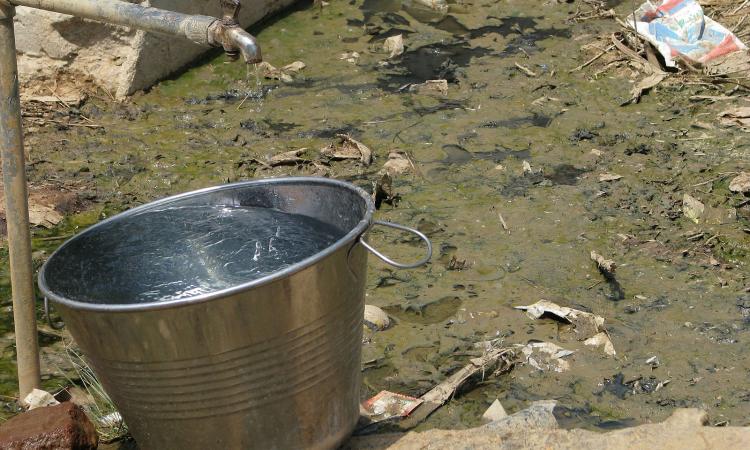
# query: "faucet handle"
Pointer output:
{"type": "Point", "coordinates": [230, 10]}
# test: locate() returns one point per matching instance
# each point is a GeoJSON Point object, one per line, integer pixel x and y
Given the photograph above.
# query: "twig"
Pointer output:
{"type": "Point", "coordinates": [602, 53]}
{"type": "Point", "coordinates": [525, 70]}
{"type": "Point", "coordinates": [502, 222]}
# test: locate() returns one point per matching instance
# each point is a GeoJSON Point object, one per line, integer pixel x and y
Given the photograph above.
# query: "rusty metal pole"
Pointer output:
{"type": "Point", "coordinates": [17, 208]}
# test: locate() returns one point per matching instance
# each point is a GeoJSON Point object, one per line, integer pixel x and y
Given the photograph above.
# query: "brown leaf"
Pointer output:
{"type": "Point", "coordinates": [348, 148]}
{"type": "Point", "coordinates": [286, 158]}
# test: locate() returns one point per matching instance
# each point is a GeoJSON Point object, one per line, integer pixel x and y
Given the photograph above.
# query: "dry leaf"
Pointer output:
{"type": "Point", "coordinates": [394, 45]}
{"type": "Point", "coordinates": [290, 157]}
{"type": "Point", "coordinates": [272, 73]}
{"type": "Point", "coordinates": [644, 85]}
{"type": "Point", "coordinates": [348, 148]}
{"type": "Point", "coordinates": [294, 67]}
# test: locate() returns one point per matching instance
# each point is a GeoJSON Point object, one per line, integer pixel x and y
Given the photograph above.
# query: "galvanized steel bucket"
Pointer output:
{"type": "Point", "coordinates": [271, 364]}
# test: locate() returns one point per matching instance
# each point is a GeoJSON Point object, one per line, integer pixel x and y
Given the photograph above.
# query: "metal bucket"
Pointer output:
{"type": "Point", "coordinates": [273, 363]}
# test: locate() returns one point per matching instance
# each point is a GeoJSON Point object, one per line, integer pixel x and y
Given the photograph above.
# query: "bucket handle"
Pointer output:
{"type": "Point", "coordinates": [388, 260]}
{"type": "Point", "coordinates": [49, 318]}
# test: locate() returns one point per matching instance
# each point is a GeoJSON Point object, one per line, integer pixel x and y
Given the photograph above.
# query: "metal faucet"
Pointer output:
{"type": "Point", "coordinates": [225, 32]}
{"type": "Point", "coordinates": [228, 33]}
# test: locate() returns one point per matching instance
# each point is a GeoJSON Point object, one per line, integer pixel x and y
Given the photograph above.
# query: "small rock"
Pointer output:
{"type": "Point", "coordinates": [376, 319]}
{"type": "Point", "coordinates": [494, 412]}
{"type": "Point", "coordinates": [394, 45]}
{"type": "Point", "coordinates": [609, 177]}
{"type": "Point", "coordinates": [740, 183]}
{"type": "Point", "coordinates": [430, 87]}
{"type": "Point", "coordinates": [692, 208]}
{"type": "Point", "coordinates": [350, 57]}
{"type": "Point", "coordinates": [60, 427]}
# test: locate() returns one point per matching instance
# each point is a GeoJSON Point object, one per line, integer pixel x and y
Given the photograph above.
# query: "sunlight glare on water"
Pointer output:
{"type": "Point", "coordinates": [180, 252]}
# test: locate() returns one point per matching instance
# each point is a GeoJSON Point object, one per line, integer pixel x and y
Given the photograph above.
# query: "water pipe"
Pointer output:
{"type": "Point", "coordinates": [224, 32]}
{"type": "Point", "coordinates": [17, 209]}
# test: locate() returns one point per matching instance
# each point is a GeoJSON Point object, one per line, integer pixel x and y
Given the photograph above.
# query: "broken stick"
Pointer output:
{"type": "Point", "coordinates": [495, 362]}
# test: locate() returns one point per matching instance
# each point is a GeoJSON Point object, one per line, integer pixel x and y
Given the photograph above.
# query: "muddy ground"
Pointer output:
{"type": "Point", "coordinates": [680, 293]}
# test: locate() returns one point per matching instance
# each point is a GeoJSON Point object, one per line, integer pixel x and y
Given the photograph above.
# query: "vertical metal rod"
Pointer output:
{"type": "Point", "coordinates": [17, 209]}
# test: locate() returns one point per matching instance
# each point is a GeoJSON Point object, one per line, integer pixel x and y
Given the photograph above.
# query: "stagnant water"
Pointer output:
{"type": "Point", "coordinates": [183, 251]}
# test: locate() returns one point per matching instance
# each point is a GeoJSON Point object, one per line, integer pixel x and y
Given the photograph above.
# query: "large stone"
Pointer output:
{"type": "Point", "coordinates": [119, 59]}
{"type": "Point", "coordinates": [685, 429]}
{"type": "Point", "coordinates": [60, 427]}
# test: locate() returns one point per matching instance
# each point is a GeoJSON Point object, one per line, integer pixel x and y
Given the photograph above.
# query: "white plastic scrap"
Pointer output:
{"type": "Point", "coordinates": [39, 398]}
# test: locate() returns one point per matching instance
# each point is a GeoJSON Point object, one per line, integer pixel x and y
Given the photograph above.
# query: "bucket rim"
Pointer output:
{"type": "Point", "coordinates": [351, 237]}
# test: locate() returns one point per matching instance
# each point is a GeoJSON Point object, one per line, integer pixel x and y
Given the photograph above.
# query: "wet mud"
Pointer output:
{"type": "Point", "coordinates": [680, 291]}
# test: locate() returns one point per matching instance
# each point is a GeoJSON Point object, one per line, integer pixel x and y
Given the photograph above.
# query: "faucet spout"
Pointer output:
{"type": "Point", "coordinates": [228, 34]}
{"type": "Point", "coordinates": [243, 42]}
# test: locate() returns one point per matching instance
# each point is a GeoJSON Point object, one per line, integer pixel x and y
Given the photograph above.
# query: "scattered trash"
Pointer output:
{"type": "Point", "coordinates": [348, 148]}
{"type": "Point", "coordinates": [394, 45]}
{"type": "Point", "coordinates": [609, 177]}
{"type": "Point", "coordinates": [653, 362]}
{"type": "Point", "coordinates": [388, 405]}
{"type": "Point", "coordinates": [546, 356]}
{"type": "Point", "coordinates": [39, 399]}
{"type": "Point", "coordinates": [495, 412]}
{"type": "Point", "coordinates": [493, 363]}
{"type": "Point", "coordinates": [740, 183]}
{"type": "Point", "coordinates": [350, 57]}
{"type": "Point", "coordinates": [692, 208]}
{"type": "Point", "coordinates": [587, 326]}
{"type": "Point", "coordinates": [601, 340]}
{"type": "Point", "coordinates": [679, 28]}
{"type": "Point", "coordinates": [430, 87]}
{"type": "Point", "coordinates": [739, 117]}
{"type": "Point", "coordinates": [605, 265]}
{"type": "Point", "coordinates": [376, 319]}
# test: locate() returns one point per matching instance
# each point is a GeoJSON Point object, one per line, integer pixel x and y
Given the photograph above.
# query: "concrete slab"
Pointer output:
{"type": "Point", "coordinates": [119, 59]}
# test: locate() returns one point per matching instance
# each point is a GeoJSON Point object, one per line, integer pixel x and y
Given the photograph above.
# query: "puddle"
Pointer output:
{"type": "Point", "coordinates": [432, 312]}
{"type": "Point", "coordinates": [432, 62]}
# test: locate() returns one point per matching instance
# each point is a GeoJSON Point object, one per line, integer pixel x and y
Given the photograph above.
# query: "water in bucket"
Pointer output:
{"type": "Point", "coordinates": [178, 252]}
